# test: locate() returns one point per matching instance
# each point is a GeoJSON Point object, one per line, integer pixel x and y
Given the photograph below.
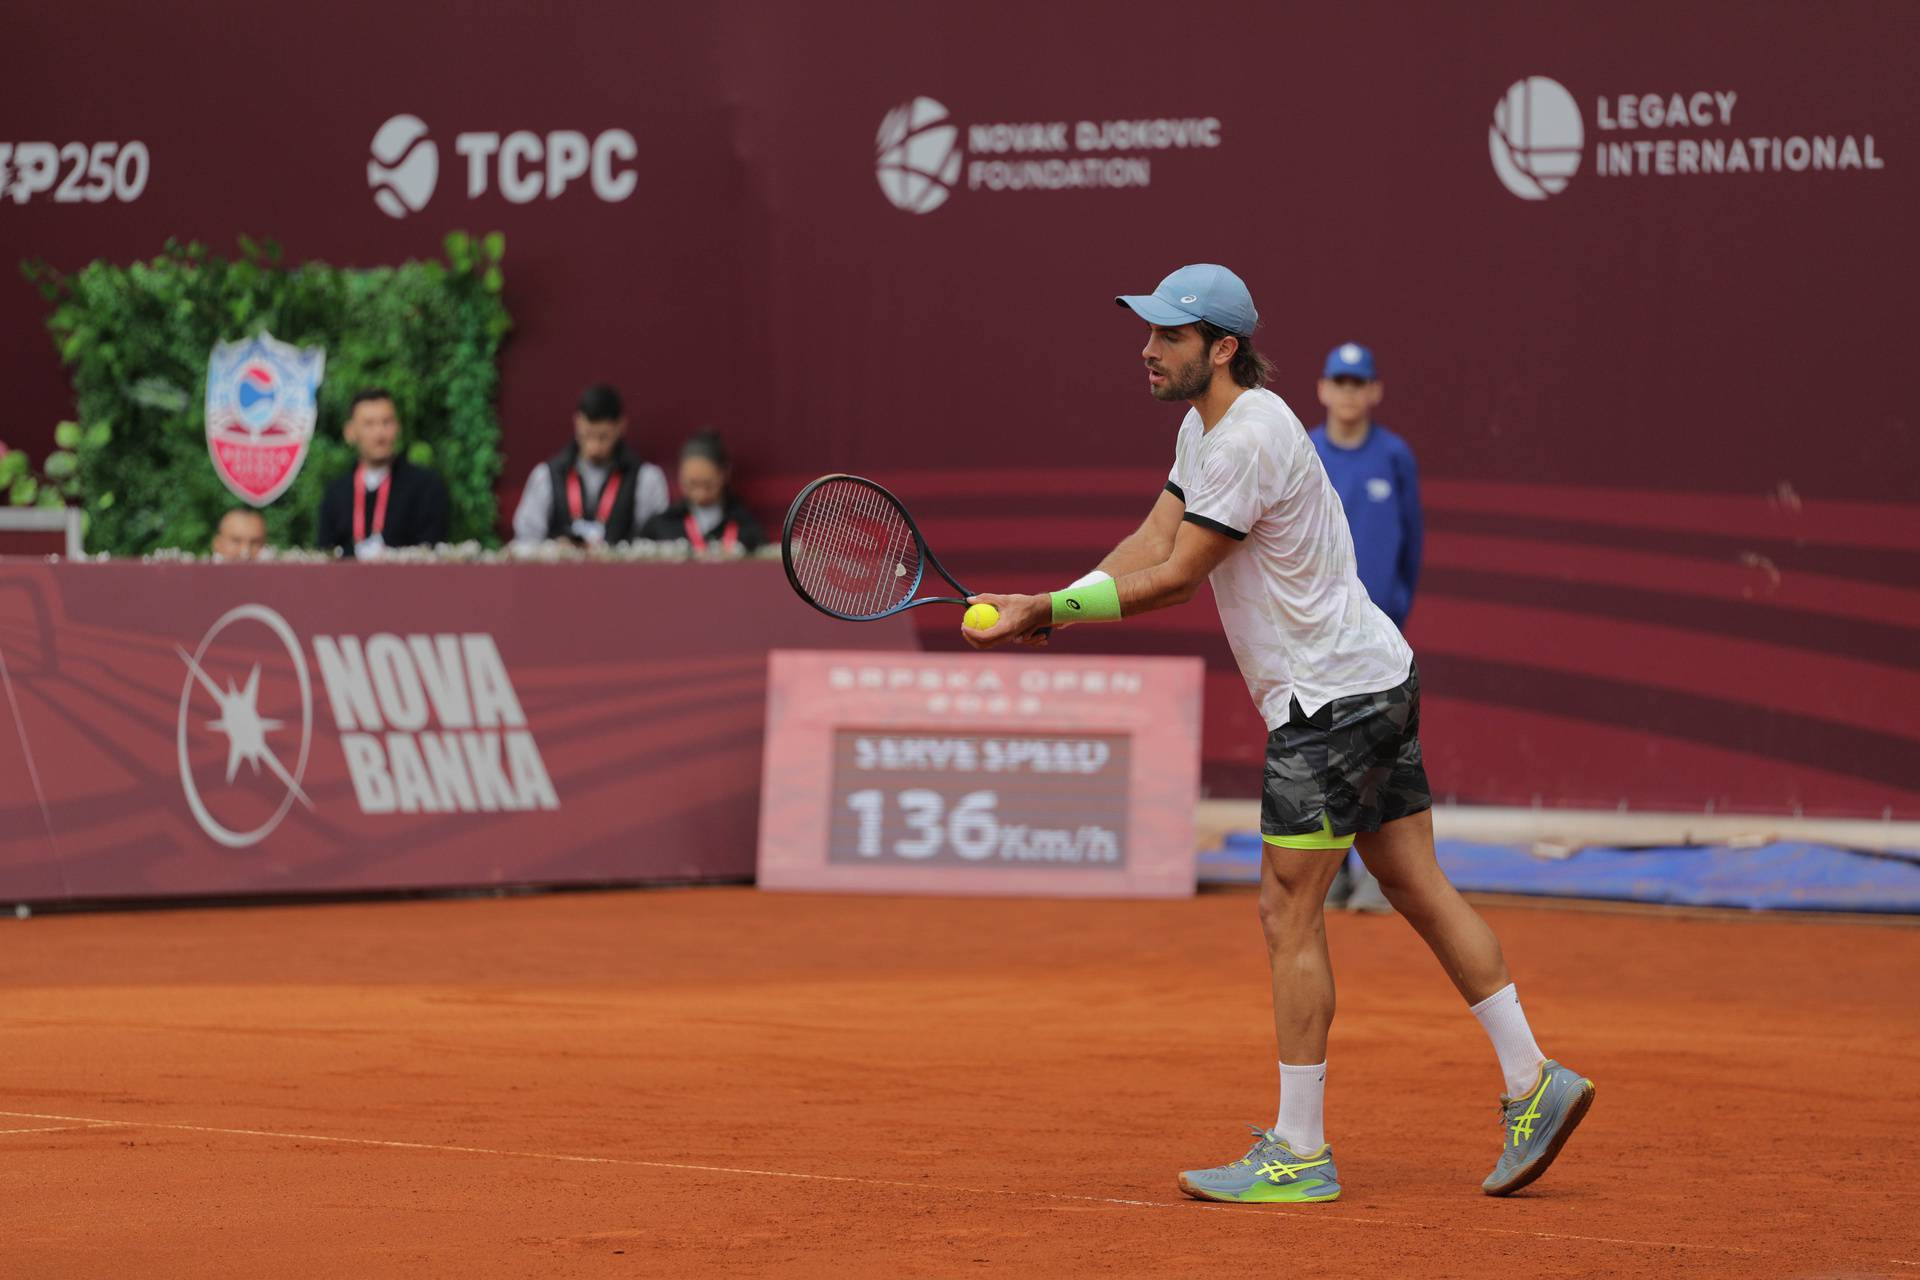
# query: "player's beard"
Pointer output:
{"type": "Point", "coordinates": [1187, 382]}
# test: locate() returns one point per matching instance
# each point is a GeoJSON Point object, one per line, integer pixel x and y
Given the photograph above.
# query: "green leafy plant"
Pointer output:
{"type": "Point", "coordinates": [138, 337]}
{"type": "Point", "coordinates": [58, 482]}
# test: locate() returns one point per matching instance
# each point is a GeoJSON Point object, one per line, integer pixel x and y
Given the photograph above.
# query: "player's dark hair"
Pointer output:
{"type": "Point", "coordinates": [601, 403]}
{"type": "Point", "coordinates": [1248, 367]}
{"type": "Point", "coordinates": [707, 444]}
{"type": "Point", "coordinates": [365, 394]}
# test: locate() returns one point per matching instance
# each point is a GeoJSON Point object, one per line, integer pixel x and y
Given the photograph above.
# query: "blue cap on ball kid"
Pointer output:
{"type": "Point", "coordinates": [1204, 291]}
{"type": "Point", "coordinates": [1351, 360]}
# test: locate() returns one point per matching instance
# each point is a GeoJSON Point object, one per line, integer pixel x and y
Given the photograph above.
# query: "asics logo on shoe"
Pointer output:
{"type": "Point", "coordinates": [1274, 1170]}
{"type": "Point", "coordinates": [1523, 1126]}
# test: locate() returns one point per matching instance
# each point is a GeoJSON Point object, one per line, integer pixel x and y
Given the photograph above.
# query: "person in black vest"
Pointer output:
{"type": "Point", "coordinates": [708, 517]}
{"type": "Point", "coordinates": [594, 490]}
{"type": "Point", "coordinates": [385, 501]}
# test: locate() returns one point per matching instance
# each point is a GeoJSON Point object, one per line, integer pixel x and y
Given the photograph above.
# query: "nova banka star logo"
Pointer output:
{"type": "Point", "coordinates": [253, 738]}
{"type": "Point", "coordinates": [425, 724]}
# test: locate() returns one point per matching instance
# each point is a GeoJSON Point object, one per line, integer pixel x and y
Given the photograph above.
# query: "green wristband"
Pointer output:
{"type": "Point", "coordinates": [1095, 602]}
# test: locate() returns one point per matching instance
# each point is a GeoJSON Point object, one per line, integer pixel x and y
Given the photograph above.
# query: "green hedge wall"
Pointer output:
{"type": "Point", "coordinates": [138, 338]}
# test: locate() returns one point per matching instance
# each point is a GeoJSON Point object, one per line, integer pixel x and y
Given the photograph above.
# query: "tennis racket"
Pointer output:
{"type": "Point", "coordinates": [852, 552]}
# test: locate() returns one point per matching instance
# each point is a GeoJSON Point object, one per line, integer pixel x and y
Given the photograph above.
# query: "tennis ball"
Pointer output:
{"type": "Point", "coordinates": [980, 617]}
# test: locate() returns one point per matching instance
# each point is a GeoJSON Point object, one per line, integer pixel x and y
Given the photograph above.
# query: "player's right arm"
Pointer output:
{"type": "Point", "coordinates": [1151, 543]}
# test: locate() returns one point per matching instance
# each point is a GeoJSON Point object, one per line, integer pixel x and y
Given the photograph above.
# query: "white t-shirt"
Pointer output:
{"type": "Point", "coordinates": [1291, 602]}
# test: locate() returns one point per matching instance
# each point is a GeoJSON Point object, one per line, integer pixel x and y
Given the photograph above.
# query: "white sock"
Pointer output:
{"type": "Point", "coordinates": [1506, 1026]}
{"type": "Point", "coordinates": [1302, 1123]}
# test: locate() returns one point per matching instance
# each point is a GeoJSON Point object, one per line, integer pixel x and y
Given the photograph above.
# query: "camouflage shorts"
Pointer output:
{"type": "Point", "coordinates": [1356, 761]}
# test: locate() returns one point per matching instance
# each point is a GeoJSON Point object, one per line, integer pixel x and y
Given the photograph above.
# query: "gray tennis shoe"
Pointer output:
{"type": "Point", "coordinates": [1270, 1173]}
{"type": "Point", "coordinates": [1536, 1125]}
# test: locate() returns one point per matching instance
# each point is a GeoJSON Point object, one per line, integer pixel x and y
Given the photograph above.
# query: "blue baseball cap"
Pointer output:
{"type": "Point", "coordinates": [1349, 360]}
{"type": "Point", "coordinates": [1204, 291]}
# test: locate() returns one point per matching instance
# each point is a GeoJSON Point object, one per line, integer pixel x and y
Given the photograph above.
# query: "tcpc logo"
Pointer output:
{"type": "Point", "coordinates": [522, 166]}
{"type": "Point", "coordinates": [405, 166]}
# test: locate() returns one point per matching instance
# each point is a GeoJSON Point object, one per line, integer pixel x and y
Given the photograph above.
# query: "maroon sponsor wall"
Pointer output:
{"type": "Point", "coordinates": [1639, 280]}
{"type": "Point", "coordinates": [204, 730]}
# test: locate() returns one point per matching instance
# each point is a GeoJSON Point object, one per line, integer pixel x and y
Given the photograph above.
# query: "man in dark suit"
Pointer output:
{"type": "Point", "coordinates": [385, 501]}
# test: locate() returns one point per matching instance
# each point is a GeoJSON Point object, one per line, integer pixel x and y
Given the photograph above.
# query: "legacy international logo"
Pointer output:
{"type": "Point", "coordinates": [921, 155]}
{"type": "Point", "coordinates": [1538, 139]}
{"type": "Point", "coordinates": [425, 724]}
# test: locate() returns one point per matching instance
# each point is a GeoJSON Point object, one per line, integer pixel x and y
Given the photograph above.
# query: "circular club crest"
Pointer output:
{"type": "Point", "coordinates": [240, 722]}
{"type": "Point", "coordinates": [1536, 138]}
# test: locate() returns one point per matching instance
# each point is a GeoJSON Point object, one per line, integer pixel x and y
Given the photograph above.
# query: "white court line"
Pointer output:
{"type": "Point", "coordinates": [1318, 1214]}
{"type": "Point", "coordinates": [66, 1128]}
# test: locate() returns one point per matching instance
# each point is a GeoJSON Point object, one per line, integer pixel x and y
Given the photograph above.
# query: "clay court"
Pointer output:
{"type": "Point", "coordinates": [727, 1082]}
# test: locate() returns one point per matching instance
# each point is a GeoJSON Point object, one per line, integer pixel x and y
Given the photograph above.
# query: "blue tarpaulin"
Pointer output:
{"type": "Point", "coordinates": [1781, 876]}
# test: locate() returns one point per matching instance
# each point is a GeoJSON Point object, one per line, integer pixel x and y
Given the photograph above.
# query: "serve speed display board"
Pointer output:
{"type": "Point", "coordinates": [1016, 800]}
{"type": "Point", "coordinates": [966, 773]}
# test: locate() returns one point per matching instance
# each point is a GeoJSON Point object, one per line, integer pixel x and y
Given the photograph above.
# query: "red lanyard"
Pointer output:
{"type": "Point", "coordinates": [729, 534]}
{"type": "Point", "coordinates": [360, 503]}
{"type": "Point", "coordinates": [576, 505]}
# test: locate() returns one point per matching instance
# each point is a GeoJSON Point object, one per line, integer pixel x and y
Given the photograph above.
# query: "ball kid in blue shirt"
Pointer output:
{"type": "Point", "coordinates": [1373, 471]}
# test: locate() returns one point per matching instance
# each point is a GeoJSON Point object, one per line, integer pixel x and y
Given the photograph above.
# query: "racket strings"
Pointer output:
{"type": "Point", "coordinates": [853, 551]}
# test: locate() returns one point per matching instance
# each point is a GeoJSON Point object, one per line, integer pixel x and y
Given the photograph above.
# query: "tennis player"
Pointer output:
{"type": "Point", "coordinates": [1249, 507]}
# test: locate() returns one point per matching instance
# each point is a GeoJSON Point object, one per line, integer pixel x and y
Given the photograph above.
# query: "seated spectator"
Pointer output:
{"type": "Point", "coordinates": [707, 516]}
{"type": "Point", "coordinates": [385, 501]}
{"type": "Point", "coordinates": [240, 535]}
{"type": "Point", "coordinates": [594, 490]}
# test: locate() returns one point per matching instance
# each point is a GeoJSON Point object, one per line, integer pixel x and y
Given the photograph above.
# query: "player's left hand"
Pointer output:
{"type": "Point", "coordinates": [1021, 617]}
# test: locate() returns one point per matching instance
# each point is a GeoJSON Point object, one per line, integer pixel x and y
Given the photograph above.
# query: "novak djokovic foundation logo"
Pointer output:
{"type": "Point", "coordinates": [921, 157]}
{"type": "Point", "coordinates": [425, 724]}
{"type": "Point", "coordinates": [404, 166]}
{"type": "Point", "coordinates": [1538, 139]}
